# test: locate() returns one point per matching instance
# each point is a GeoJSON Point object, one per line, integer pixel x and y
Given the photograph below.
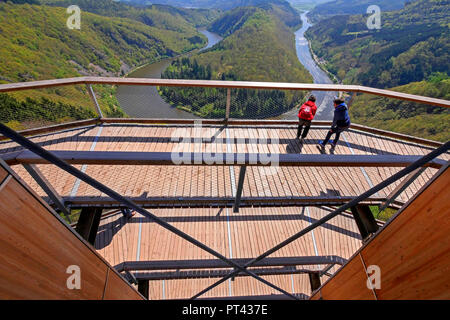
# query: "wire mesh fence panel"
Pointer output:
{"type": "Point", "coordinates": [147, 102]}
{"type": "Point", "coordinates": [264, 104]}
{"type": "Point", "coordinates": [208, 103]}
{"type": "Point", "coordinates": [401, 116]}
{"type": "Point", "coordinates": [29, 109]}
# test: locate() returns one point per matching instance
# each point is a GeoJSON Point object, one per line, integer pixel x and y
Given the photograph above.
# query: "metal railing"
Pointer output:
{"type": "Point", "coordinates": [88, 82]}
{"type": "Point", "coordinates": [221, 84]}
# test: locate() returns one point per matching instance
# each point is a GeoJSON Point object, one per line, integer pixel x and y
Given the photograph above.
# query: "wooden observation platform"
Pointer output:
{"type": "Point", "coordinates": [238, 187]}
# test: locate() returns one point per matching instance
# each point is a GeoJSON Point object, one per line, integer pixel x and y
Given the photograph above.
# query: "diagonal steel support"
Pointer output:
{"type": "Point", "coordinates": [326, 269]}
{"type": "Point", "coordinates": [401, 187]}
{"type": "Point", "coordinates": [240, 187]}
{"type": "Point", "coordinates": [94, 100]}
{"type": "Point", "coordinates": [37, 175]}
{"type": "Point", "coordinates": [28, 144]}
{"type": "Point", "coordinates": [417, 164]}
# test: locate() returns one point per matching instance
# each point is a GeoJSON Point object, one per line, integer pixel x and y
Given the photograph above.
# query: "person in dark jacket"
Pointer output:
{"type": "Point", "coordinates": [341, 122]}
{"type": "Point", "coordinates": [305, 116]}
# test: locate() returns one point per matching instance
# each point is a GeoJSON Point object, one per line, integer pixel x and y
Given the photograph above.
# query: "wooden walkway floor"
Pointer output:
{"type": "Point", "coordinates": [235, 235]}
{"type": "Point", "coordinates": [246, 234]}
{"type": "Point", "coordinates": [142, 182]}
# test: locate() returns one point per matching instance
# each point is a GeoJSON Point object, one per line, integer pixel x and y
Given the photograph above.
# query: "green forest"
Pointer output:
{"type": "Point", "coordinates": [408, 117]}
{"type": "Point", "coordinates": [37, 45]}
{"type": "Point", "coordinates": [259, 48]}
{"type": "Point", "coordinates": [346, 7]}
{"type": "Point", "coordinates": [411, 48]}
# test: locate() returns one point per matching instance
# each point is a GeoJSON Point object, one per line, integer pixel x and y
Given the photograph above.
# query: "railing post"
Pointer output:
{"type": "Point", "coordinates": [88, 223]}
{"type": "Point", "coordinates": [365, 221]}
{"type": "Point", "coordinates": [314, 281]}
{"type": "Point", "coordinates": [143, 286]}
{"type": "Point", "coordinates": [351, 100]}
{"type": "Point", "coordinates": [227, 112]}
{"type": "Point", "coordinates": [240, 187]}
{"type": "Point", "coordinates": [94, 100]}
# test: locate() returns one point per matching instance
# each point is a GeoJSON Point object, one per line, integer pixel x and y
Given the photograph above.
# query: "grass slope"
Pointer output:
{"type": "Point", "coordinates": [37, 45]}
{"type": "Point", "coordinates": [406, 54]}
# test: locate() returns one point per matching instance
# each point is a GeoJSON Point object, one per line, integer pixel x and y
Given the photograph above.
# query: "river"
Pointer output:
{"type": "Point", "coordinates": [145, 102]}
{"type": "Point", "coordinates": [324, 99]}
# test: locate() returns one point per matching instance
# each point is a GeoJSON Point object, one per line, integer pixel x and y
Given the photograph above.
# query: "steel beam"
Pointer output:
{"type": "Point", "coordinates": [206, 274]}
{"type": "Point", "coordinates": [217, 264]}
{"type": "Point", "coordinates": [88, 223]}
{"type": "Point", "coordinates": [226, 159]}
{"type": "Point", "coordinates": [37, 175]}
{"type": "Point", "coordinates": [314, 280]}
{"type": "Point", "coordinates": [365, 221]}
{"type": "Point", "coordinates": [206, 202]}
{"type": "Point", "coordinates": [41, 152]}
{"type": "Point", "coordinates": [240, 187]}
{"type": "Point", "coordinates": [143, 287]}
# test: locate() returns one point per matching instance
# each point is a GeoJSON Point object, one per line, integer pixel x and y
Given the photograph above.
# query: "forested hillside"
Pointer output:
{"type": "Point", "coordinates": [160, 16]}
{"type": "Point", "coordinates": [407, 117]}
{"type": "Point", "coordinates": [306, 5]}
{"type": "Point", "coordinates": [412, 45]}
{"type": "Point", "coordinates": [339, 7]}
{"type": "Point", "coordinates": [259, 48]}
{"type": "Point", "coordinates": [37, 45]}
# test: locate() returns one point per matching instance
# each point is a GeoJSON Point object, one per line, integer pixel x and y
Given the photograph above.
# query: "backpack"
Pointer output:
{"type": "Point", "coordinates": [306, 112]}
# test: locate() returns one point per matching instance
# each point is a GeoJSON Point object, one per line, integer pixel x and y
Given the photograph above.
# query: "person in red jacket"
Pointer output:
{"type": "Point", "coordinates": [305, 116]}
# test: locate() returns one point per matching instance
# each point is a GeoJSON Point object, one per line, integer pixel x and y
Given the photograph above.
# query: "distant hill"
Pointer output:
{"type": "Point", "coordinates": [411, 47]}
{"type": "Point", "coordinates": [412, 44]}
{"type": "Point", "coordinates": [217, 4]}
{"type": "Point", "coordinates": [339, 7]}
{"type": "Point", "coordinates": [258, 47]}
{"type": "Point", "coordinates": [407, 117]}
{"type": "Point", "coordinates": [37, 45]}
{"type": "Point", "coordinates": [281, 8]}
{"type": "Point", "coordinates": [161, 16]}
{"type": "Point", "coordinates": [306, 5]}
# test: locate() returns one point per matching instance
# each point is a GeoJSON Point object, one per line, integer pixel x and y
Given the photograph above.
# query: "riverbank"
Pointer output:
{"type": "Point", "coordinates": [324, 100]}
{"type": "Point", "coordinates": [146, 102]}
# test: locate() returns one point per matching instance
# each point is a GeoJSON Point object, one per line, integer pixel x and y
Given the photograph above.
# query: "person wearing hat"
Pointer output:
{"type": "Point", "coordinates": [341, 122]}
{"type": "Point", "coordinates": [305, 116]}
